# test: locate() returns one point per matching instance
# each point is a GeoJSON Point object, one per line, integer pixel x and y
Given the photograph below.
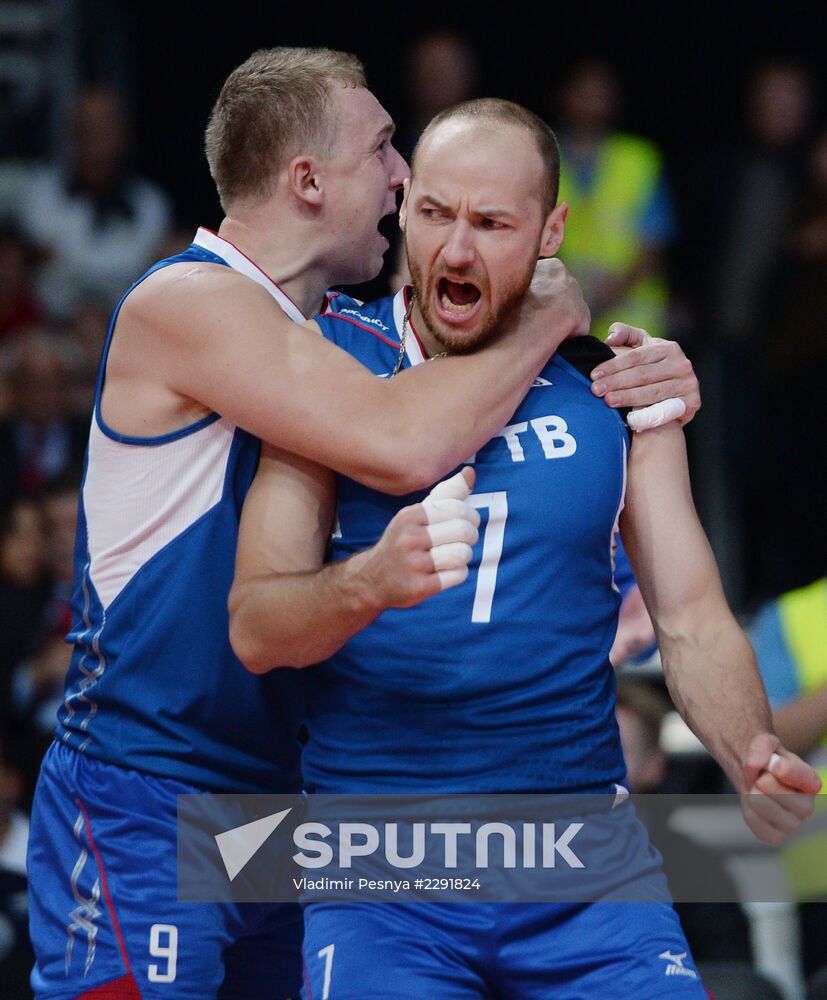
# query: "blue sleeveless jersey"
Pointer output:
{"type": "Point", "coordinates": [154, 684]}
{"type": "Point", "coordinates": [503, 683]}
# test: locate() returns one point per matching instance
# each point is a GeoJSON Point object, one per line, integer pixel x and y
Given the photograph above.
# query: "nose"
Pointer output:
{"type": "Point", "coordinates": [459, 250]}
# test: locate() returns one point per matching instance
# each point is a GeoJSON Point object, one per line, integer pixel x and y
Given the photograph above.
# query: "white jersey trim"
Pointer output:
{"type": "Point", "coordinates": [239, 262]}
{"type": "Point", "coordinates": [616, 526]}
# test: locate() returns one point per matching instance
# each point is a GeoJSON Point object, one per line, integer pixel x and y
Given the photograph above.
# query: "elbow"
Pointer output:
{"type": "Point", "coordinates": [408, 464]}
{"type": "Point", "coordinates": [247, 651]}
{"type": "Point", "coordinates": [243, 639]}
{"type": "Point", "coordinates": [256, 652]}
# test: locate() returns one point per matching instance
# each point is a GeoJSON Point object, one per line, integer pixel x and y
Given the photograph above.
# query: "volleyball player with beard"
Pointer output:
{"type": "Point", "coordinates": [502, 684]}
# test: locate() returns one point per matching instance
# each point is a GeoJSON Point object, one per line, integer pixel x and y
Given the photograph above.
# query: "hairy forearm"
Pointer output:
{"type": "Point", "coordinates": [712, 677]}
{"type": "Point", "coordinates": [801, 725]}
{"type": "Point", "coordinates": [298, 619]}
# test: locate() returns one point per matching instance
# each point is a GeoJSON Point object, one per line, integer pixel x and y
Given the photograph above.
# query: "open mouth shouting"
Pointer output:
{"type": "Point", "coordinates": [456, 299]}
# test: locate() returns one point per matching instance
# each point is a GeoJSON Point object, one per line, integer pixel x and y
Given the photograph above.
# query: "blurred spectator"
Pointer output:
{"type": "Point", "coordinates": [789, 636]}
{"type": "Point", "coordinates": [60, 513]}
{"type": "Point", "coordinates": [37, 680]}
{"type": "Point", "coordinates": [24, 585]}
{"type": "Point", "coordinates": [87, 333]}
{"type": "Point", "coordinates": [635, 638]}
{"type": "Point", "coordinates": [16, 954]}
{"type": "Point", "coordinates": [741, 205]}
{"type": "Point", "coordinates": [19, 308]}
{"type": "Point", "coordinates": [40, 441]}
{"type": "Point", "coordinates": [635, 631]}
{"type": "Point", "coordinates": [16, 957]}
{"type": "Point", "coordinates": [715, 931]}
{"type": "Point", "coordinates": [762, 190]}
{"type": "Point", "coordinates": [442, 70]}
{"type": "Point", "coordinates": [794, 354]}
{"type": "Point", "coordinates": [621, 220]}
{"type": "Point", "coordinates": [37, 685]}
{"type": "Point", "coordinates": [801, 336]}
{"type": "Point", "coordinates": [98, 223]}
{"type": "Point", "coordinates": [640, 712]}
{"type": "Point", "coordinates": [14, 823]}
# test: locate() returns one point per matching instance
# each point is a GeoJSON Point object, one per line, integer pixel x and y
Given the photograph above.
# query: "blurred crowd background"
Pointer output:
{"type": "Point", "coordinates": [694, 147]}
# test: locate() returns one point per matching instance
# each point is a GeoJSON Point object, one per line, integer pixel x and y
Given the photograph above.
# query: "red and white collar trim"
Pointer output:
{"type": "Point", "coordinates": [413, 345]}
{"type": "Point", "coordinates": [238, 261]}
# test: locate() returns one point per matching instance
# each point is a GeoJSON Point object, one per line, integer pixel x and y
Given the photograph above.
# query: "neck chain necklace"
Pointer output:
{"type": "Point", "coordinates": [400, 357]}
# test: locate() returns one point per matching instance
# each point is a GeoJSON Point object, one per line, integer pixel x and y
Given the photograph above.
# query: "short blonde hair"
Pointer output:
{"type": "Point", "coordinates": [272, 107]}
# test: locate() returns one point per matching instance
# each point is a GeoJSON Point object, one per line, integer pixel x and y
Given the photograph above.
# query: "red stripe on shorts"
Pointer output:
{"type": "Point", "coordinates": [119, 989]}
{"type": "Point", "coordinates": [109, 906]}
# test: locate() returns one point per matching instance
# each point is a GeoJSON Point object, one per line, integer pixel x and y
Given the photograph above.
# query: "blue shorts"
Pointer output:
{"type": "Point", "coordinates": [507, 951]}
{"type": "Point", "coordinates": [103, 910]}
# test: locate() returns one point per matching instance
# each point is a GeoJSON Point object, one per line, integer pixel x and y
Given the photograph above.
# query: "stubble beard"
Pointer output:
{"type": "Point", "coordinates": [489, 324]}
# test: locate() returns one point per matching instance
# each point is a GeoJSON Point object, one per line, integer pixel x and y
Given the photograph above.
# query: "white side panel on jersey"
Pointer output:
{"type": "Point", "coordinates": [138, 498]}
{"type": "Point", "coordinates": [616, 526]}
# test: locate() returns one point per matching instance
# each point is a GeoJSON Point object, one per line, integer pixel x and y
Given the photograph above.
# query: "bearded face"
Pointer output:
{"type": "Point", "coordinates": [463, 310]}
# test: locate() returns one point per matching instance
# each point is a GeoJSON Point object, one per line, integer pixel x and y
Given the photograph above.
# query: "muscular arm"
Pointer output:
{"type": "Point", "coordinates": [279, 580]}
{"type": "Point", "coordinates": [708, 662]}
{"type": "Point", "coordinates": [218, 339]}
{"type": "Point", "coordinates": [287, 609]}
{"type": "Point", "coordinates": [709, 665]}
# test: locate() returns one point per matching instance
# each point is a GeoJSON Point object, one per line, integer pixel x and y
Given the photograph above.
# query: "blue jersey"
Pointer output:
{"type": "Point", "coordinates": [154, 684]}
{"type": "Point", "coordinates": [503, 683]}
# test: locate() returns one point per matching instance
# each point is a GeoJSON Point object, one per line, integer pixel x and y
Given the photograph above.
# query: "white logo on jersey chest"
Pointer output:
{"type": "Point", "coordinates": [552, 432]}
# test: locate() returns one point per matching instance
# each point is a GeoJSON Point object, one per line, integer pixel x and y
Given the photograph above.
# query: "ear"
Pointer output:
{"type": "Point", "coordinates": [403, 208]}
{"type": "Point", "coordinates": [305, 180]}
{"type": "Point", "coordinates": [553, 230]}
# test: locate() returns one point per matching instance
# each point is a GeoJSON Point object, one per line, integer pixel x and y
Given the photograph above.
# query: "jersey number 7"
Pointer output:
{"type": "Point", "coordinates": [492, 550]}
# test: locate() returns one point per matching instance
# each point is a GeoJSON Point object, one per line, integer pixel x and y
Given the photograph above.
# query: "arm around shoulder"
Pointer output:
{"type": "Point", "coordinates": [219, 339]}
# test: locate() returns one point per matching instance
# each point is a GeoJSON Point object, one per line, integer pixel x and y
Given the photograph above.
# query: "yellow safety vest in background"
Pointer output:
{"type": "Point", "coordinates": [803, 615]}
{"type": "Point", "coordinates": [603, 229]}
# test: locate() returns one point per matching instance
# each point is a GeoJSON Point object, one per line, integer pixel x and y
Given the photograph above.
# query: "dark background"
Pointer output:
{"type": "Point", "coordinates": [684, 66]}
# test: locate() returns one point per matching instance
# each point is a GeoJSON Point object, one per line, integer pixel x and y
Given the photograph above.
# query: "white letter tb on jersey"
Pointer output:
{"type": "Point", "coordinates": [552, 433]}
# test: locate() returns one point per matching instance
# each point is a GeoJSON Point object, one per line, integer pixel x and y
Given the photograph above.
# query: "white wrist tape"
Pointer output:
{"type": "Point", "coordinates": [657, 414]}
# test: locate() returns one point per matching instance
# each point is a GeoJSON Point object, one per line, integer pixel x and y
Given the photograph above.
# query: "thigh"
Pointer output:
{"type": "Point", "coordinates": [592, 951]}
{"type": "Point", "coordinates": [387, 950]}
{"type": "Point", "coordinates": [103, 880]}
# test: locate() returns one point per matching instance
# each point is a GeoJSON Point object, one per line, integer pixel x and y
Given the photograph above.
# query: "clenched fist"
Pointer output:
{"type": "Point", "coordinates": [426, 548]}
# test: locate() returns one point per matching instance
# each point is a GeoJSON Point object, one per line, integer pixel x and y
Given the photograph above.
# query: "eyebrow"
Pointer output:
{"type": "Point", "coordinates": [483, 213]}
{"type": "Point", "coordinates": [387, 130]}
{"type": "Point", "coordinates": [494, 213]}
